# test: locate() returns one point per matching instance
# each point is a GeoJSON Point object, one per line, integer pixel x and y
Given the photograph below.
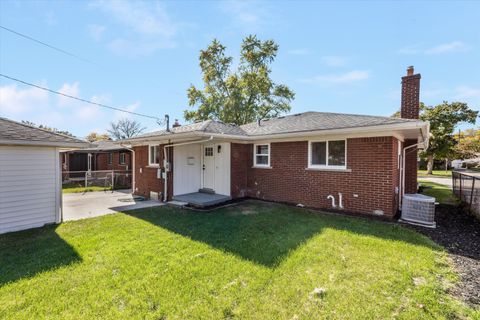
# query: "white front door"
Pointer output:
{"type": "Point", "coordinates": [209, 166]}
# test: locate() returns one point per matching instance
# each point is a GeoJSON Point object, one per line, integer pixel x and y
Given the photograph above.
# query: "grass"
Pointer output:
{"type": "Point", "coordinates": [80, 188]}
{"type": "Point", "coordinates": [440, 192]}
{"type": "Point", "coordinates": [251, 261]}
{"type": "Point", "coordinates": [436, 173]}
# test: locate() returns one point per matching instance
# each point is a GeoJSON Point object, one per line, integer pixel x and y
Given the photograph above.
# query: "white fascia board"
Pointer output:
{"type": "Point", "coordinates": [69, 145]}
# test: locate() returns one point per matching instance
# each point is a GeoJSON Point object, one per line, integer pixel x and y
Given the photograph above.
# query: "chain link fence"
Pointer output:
{"type": "Point", "coordinates": [94, 180]}
{"type": "Point", "coordinates": [466, 186]}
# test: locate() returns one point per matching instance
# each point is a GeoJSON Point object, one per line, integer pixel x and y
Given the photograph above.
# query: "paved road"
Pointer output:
{"type": "Point", "coordinates": [93, 204]}
{"type": "Point", "coordinates": [445, 181]}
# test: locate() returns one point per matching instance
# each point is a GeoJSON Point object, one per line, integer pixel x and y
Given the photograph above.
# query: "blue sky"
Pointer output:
{"type": "Point", "coordinates": [338, 57]}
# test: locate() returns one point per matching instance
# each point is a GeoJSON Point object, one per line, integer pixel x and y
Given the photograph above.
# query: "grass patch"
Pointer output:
{"type": "Point", "coordinates": [440, 192]}
{"type": "Point", "coordinates": [80, 188]}
{"type": "Point", "coordinates": [251, 261]}
{"type": "Point", "coordinates": [436, 173]}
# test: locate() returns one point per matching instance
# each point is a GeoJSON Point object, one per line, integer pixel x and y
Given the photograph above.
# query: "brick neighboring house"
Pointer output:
{"type": "Point", "coordinates": [105, 155]}
{"type": "Point", "coordinates": [367, 161]}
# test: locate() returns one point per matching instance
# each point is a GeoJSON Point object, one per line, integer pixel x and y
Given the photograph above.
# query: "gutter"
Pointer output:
{"type": "Point", "coordinates": [45, 143]}
{"type": "Point", "coordinates": [165, 187]}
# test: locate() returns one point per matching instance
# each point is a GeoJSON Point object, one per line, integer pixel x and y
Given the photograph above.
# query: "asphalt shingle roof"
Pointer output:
{"type": "Point", "coordinates": [301, 122]}
{"type": "Point", "coordinates": [104, 145]}
{"type": "Point", "coordinates": [16, 131]}
{"type": "Point", "coordinates": [208, 126]}
{"type": "Point", "coordinates": [312, 121]}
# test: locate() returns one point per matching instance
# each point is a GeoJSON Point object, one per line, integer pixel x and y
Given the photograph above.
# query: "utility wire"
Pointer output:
{"type": "Point", "coordinates": [159, 121]}
{"type": "Point", "coordinates": [45, 44]}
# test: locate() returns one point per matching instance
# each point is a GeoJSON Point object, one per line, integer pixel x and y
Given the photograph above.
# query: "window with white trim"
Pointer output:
{"type": "Point", "coordinates": [121, 159]}
{"type": "Point", "coordinates": [154, 155]}
{"type": "Point", "coordinates": [261, 155]}
{"type": "Point", "coordinates": [110, 158]}
{"type": "Point", "coordinates": [328, 154]}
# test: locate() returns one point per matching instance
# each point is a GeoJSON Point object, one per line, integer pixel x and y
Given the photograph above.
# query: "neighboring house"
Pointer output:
{"type": "Point", "coordinates": [104, 155]}
{"type": "Point", "coordinates": [30, 177]}
{"type": "Point", "coordinates": [305, 159]}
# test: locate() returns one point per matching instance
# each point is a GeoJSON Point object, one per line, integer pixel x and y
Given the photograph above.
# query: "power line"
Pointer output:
{"type": "Point", "coordinates": [159, 121]}
{"type": "Point", "coordinates": [46, 44]}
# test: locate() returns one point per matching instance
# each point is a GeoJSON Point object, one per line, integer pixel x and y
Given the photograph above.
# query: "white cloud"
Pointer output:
{"type": "Point", "coordinates": [71, 90]}
{"type": "Point", "coordinates": [132, 107]}
{"type": "Point", "coordinates": [149, 18]}
{"type": "Point", "coordinates": [248, 15]}
{"type": "Point", "coordinates": [467, 92]}
{"type": "Point", "coordinates": [334, 61]}
{"type": "Point", "coordinates": [148, 25]}
{"type": "Point", "coordinates": [50, 19]}
{"type": "Point", "coordinates": [342, 78]}
{"type": "Point", "coordinates": [96, 31]}
{"type": "Point", "coordinates": [454, 46]}
{"type": "Point", "coordinates": [16, 101]}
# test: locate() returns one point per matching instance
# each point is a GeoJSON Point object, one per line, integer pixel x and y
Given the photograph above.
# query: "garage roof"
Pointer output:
{"type": "Point", "coordinates": [16, 133]}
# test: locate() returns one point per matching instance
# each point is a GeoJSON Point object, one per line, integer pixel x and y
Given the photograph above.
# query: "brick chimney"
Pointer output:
{"type": "Point", "coordinates": [410, 105]}
{"type": "Point", "coordinates": [176, 124]}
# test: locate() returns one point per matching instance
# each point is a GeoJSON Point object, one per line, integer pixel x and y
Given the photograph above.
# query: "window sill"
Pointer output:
{"type": "Point", "coordinates": [156, 166]}
{"type": "Point", "coordinates": [328, 169]}
{"type": "Point", "coordinates": [262, 167]}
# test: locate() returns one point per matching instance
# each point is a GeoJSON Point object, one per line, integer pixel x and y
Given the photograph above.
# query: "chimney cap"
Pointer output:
{"type": "Point", "coordinates": [410, 71]}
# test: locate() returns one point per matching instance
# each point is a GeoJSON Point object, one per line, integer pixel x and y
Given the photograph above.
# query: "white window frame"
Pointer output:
{"type": "Point", "coordinates": [326, 165]}
{"type": "Point", "coordinates": [110, 158]}
{"type": "Point", "coordinates": [152, 164]}
{"type": "Point", "coordinates": [261, 154]}
{"type": "Point", "coordinates": [120, 158]}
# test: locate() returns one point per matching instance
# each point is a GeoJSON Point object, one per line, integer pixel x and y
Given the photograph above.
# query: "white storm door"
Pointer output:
{"type": "Point", "coordinates": [209, 167]}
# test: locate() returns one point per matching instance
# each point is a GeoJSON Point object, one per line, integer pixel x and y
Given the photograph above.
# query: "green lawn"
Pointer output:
{"type": "Point", "coordinates": [436, 173]}
{"type": "Point", "coordinates": [440, 192]}
{"type": "Point", "coordinates": [251, 261]}
{"type": "Point", "coordinates": [80, 188]}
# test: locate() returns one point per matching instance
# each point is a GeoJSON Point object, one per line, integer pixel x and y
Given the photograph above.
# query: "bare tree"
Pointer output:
{"type": "Point", "coordinates": [125, 128]}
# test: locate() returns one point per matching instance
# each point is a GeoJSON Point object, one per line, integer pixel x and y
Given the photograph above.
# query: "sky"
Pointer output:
{"type": "Point", "coordinates": [345, 57]}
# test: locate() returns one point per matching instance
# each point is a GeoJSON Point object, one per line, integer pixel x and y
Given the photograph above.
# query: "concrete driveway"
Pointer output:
{"type": "Point", "coordinates": [93, 204]}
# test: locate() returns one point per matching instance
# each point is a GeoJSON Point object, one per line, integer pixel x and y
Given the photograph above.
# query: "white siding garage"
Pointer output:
{"type": "Point", "coordinates": [30, 176]}
{"type": "Point", "coordinates": [29, 187]}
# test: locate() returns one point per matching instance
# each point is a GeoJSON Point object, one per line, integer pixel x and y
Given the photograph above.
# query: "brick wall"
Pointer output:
{"type": "Point", "coordinates": [146, 180]}
{"type": "Point", "coordinates": [410, 102]}
{"type": "Point", "coordinates": [374, 175]}
{"type": "Point", "coordinates": [102, 161]}
{"type": "Point", "coordinates": [240, 159]}
{"type": "Point", "coordinates": [411, 166]}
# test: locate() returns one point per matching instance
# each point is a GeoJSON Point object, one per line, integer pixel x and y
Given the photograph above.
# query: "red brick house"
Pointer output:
{"type": "Point", "coordinates": [105, 155]}
{"type": "Point", "coordinates": [363, 163]}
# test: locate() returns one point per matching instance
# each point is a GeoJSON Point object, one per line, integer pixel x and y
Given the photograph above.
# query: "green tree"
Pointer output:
{"type": "Point", "coordinates": [443, 119]}
{"type": "Point", "coordinates": [94, 136]}
{"type": "Point", "coordinates": [44, 127]}
{"type": "Point", "coordinates": [467, 144]}
{"type": "Point", "coordinates": [239, 96]}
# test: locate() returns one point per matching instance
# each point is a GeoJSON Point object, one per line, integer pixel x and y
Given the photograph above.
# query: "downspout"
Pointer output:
{"type": "Point", "coordinates": [402, 191]}
{"type": "Point", "coordinates": [165, 181]}
{"type": "Point", "coordinates": [133, 166]}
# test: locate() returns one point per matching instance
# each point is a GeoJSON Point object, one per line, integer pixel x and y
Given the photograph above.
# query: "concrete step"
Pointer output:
{"type": "Point", "coordinates": [176, 203]}
{"type": "Point", "coordinates": [206, 190]}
